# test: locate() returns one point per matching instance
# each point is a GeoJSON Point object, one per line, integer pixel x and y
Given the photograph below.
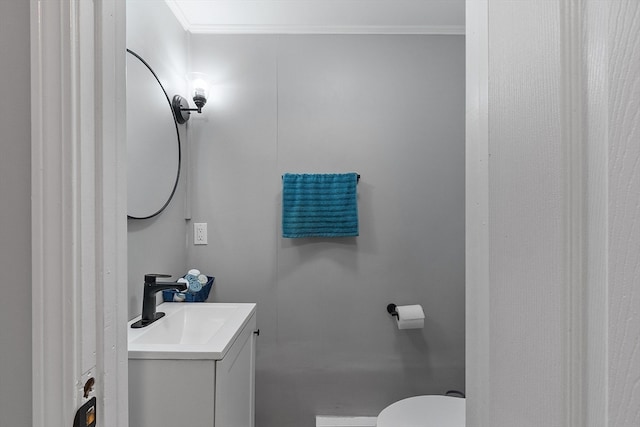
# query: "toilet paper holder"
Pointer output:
{"type": "Point", "coordinates": [392, 309]}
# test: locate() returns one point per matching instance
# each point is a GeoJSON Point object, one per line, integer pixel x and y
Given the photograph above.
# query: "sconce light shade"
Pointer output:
{"type": "Point", "coordinates": [199, 86]}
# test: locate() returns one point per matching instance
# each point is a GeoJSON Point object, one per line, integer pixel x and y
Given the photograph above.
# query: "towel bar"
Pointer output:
{"type": "Point", "coordinates": [358, 177]}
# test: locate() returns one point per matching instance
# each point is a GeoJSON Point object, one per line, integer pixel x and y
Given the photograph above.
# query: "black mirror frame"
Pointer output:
{"type": "Point", "coordinates": [175, 185]}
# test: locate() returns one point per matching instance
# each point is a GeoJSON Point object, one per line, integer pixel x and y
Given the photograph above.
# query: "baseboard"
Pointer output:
{"type": "Point", "coordinates": [337, 421]}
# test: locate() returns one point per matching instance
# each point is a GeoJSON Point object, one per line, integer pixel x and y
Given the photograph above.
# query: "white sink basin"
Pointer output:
{"type": "Point", "coordinates": [190, 331]}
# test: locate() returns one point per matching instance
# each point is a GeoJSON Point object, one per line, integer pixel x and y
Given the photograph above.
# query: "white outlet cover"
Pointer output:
{"type": "Point", "coordinates": [200, 233]}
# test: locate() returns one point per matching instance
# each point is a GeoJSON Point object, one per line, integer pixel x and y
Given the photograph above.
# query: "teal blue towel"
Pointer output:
{"type": "Point", "coordinates": [319, 205]}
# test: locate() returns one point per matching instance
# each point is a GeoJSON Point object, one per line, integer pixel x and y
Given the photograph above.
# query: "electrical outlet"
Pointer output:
{"type": "Point", "coordinates": [200, 233]}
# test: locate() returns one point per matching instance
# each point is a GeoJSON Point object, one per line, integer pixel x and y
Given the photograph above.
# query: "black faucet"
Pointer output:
{"type": "Point", "coordinates": [151, 288]}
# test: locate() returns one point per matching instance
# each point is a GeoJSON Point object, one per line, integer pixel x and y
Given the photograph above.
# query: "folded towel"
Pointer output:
{"type": "Point", "coordinates": [319, 205]}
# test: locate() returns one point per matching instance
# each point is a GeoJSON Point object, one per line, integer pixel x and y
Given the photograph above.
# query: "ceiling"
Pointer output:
{"type": "Point", "coordinates": [320, 16]}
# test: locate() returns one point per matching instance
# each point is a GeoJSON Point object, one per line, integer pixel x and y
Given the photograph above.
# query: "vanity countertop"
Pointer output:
{"type": "Point", "coordinates": [190, 331]}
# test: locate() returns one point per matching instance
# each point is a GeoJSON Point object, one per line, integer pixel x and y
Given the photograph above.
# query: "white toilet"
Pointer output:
{"type": "Point", "coordinates": [424, 411]}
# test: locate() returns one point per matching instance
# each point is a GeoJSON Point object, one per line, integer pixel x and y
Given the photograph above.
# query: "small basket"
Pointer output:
{"type": "Point", "coordinates": [200, 296]}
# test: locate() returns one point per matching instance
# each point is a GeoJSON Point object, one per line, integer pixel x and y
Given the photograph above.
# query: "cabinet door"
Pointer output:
{"type": "Point", "coordinates": [170, 393]}
{"type": "Point", "coordinates": [235, 382]}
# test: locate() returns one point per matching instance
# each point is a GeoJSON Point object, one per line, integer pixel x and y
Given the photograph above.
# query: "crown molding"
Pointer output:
{"type": "Point", "coordinates": [286, 20]}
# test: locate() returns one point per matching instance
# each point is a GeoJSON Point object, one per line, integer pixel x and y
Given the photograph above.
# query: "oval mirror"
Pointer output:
{"type": "Point", "coordinates": [153, 142]}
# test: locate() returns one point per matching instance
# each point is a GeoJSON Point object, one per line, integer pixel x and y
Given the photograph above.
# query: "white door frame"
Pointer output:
{"type": "Point", "coordinates": [585, 114]}
{"type": "Point", "coordinates": [78, 209]}
{"type": "Point", "coordinates": [477, 291]}
{"type": "Point", "coordinates": [79, 213]}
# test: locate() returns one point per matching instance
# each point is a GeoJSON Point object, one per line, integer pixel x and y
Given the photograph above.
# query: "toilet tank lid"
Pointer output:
{"type": "Point", "coordinates": [424, 411]}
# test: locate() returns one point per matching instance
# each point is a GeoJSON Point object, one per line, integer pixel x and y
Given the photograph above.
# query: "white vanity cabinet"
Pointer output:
{"type": "Point", "coordinates": [235, 383]}
{"type": "Point", "coordinates": [195, 388]}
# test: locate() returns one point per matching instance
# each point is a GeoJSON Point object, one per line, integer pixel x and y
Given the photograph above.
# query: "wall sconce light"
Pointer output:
{"type": "Point", "coordinates": [199, 86]}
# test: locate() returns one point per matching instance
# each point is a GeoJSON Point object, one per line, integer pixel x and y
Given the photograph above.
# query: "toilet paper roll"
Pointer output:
{"type": "Point", "coordinates": [410, 316]}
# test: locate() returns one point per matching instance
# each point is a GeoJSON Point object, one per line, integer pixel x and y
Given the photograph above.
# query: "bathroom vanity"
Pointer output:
{"type": "Point", "coordinates": [195, 366]}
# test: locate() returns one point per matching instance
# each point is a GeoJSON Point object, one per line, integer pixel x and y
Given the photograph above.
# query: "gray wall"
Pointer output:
{"type": "Point", "coordinates": [15, 215]}
{"type": "Point", "coordinates": [390, 108]}
{"type": "Point", "coordinates": [157, 245]}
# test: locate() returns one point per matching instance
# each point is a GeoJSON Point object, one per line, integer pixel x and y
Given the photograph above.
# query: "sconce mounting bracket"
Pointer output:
{"type": "Point", "coordinates": [181, 109]}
